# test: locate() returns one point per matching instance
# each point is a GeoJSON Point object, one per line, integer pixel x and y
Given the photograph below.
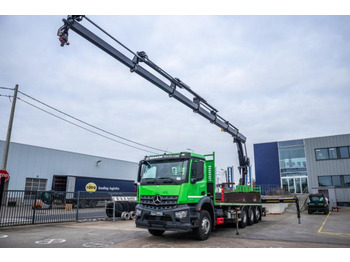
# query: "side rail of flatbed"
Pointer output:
{"type": "Point", "coordinates": [284, 200]}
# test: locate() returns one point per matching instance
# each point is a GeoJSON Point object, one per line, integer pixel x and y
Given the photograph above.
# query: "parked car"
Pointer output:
{"type": "Point", "coordinates": [317, 203]}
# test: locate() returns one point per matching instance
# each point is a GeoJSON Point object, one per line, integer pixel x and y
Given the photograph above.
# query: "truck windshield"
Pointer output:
{"type": "Point", "coordinates": [164, 172]}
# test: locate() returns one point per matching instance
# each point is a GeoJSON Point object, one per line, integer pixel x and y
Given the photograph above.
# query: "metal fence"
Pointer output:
{"type": "Point", "coordinates": [273, 190]}
{"type": "Point", "coordinates": [278, 190]}
{"type": "Point", "coordinates": [38, 207]}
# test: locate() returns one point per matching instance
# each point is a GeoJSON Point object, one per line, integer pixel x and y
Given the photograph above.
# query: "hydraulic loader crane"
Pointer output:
{"type": "Point", "coordinates": [176, 190]}
{"type": "Point", "coordinates": [198, 104]}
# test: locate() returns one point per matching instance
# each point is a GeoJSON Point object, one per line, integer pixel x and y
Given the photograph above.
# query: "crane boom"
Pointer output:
{"type": "Point", "coordinates": [197, 104]}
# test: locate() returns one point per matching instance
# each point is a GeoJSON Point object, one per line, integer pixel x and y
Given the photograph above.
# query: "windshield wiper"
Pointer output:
{"type": "Point", "coordinates": [150, 181]}
{"type": "Point", "coordinates": [169, 179]}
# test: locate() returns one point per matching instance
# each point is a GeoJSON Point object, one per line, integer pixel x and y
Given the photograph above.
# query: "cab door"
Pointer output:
{"type": "Point", "coordinates": [198, 186]}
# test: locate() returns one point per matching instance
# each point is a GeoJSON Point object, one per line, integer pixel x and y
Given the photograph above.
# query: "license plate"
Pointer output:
{"type": "Point", "coordinates": [156, 213]}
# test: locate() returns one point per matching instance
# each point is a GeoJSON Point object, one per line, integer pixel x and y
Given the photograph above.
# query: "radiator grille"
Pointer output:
{"type": "Point", "coordinates": [159, 202]}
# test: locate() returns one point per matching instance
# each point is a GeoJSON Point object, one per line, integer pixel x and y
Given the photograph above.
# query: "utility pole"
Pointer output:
{"type": "Point", "coordinates": [9, 131]}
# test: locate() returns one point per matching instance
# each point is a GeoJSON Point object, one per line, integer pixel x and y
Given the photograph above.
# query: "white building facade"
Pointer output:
{"type": "Point", "coordinates": [34, 168]}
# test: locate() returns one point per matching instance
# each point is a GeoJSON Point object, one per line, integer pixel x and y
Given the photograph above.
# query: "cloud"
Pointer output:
{"type": "Point", "coordinates": [274, 77]}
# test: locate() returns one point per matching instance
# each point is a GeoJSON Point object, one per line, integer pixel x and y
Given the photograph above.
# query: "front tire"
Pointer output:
{"type": "Point", "coordinates": [156, 233]}
{"type": "Point", "coordinates": [204, 228]}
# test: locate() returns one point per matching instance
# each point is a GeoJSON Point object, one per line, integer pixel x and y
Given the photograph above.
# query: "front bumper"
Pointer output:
{"type": "Point", "coordinates": [317, 208]}
{"type": "Point", "coordinates": [165, 219]}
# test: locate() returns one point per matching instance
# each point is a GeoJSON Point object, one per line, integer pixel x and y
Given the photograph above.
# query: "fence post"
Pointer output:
{"type": "Point", "coordinates": [2, 186]}
{"type": "Point", "coordinates": [113, 210]}
{"type": "Point", "coordinates": [78, 200]}
{"type": "Point", "coordinates": [34, 206]}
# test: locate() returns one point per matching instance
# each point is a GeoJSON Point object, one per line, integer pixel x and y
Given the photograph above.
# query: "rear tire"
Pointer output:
{"type": "Point", "coordinates": [204, 228]}
{"type": "Point", "coordinates": [244, 218]}
{"type": "Point", "coordinates": [93, 203]}
{"type": "Point", "coordinates": [156, 233]}
{"type": "Point", "coordinates": [109, 210]}
{"type": "Point", "coordinates": [82, 203]}
{"type": "Point", "coordinates": [257, 214]}
{"type": "Point", "coordinates": [250, 218]}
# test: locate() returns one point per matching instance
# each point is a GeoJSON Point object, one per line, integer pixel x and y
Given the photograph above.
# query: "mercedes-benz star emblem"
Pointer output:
{"type": "Point", "coordinates": [157, 200]}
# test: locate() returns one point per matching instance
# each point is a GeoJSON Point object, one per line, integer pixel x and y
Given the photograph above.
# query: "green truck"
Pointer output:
{"type": "Point", "coordinates": [177, 192]}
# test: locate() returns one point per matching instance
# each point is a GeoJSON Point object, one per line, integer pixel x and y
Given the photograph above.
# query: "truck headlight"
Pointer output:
{"type": "Point", "coordinates": [138, 212]}
{"type": "Point", "coordinates": [181, 214]}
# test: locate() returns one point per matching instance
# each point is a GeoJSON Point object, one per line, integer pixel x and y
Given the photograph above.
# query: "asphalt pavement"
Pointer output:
{"type": "Point", "coordinates": [274, 231]}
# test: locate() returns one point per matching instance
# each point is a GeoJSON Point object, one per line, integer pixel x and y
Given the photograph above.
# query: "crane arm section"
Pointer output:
{"type": "Point", "coordinates": [197, 104]}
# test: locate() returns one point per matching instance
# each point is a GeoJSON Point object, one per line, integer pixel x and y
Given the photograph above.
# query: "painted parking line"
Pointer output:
{"type": "Point", "coordinates": [98, 244]}
{"type": "Point", "coordinates": [50, 241]}
{"type": "Point", "coordinates": [330, 233]}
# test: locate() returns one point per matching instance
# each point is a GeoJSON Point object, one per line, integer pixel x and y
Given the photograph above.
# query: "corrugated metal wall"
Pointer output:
{"type": "Point", "coordinates": [332, 167]}
{"type": "Point", "coordinates": [27, 161]}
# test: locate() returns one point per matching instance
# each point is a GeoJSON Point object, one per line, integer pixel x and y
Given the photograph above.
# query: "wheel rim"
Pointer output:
{"type": "Point", "coordinates": [251, 215]}
{"type": "Point", "coordinates": [257, 213]}
{"type": "Point", "coordinates": [205, 225]}
{"type": "Point", "coordinates": [244, 218]}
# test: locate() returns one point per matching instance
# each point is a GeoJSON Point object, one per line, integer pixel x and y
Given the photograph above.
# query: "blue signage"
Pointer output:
{"type": "Point", "coordinates": [248, 177]}
{"type": "Point", "coordinates": [230, 176]}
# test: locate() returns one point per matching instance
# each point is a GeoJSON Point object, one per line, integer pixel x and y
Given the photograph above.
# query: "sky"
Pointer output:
{"type": "Point", "coordinates": [274, 77]}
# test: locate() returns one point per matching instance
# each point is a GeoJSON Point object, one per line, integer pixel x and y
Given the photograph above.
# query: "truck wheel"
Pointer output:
{"type": "Point", "coordinates": [157, 233]}
{"type": "Point", "coordinates": [309, 211]}
{"type": "Point", "coordinates": [250, 218]}
{"type": "Point", "coordinates": [109, 210]}
{"type": "Point", "coordinates": [257, 214]}
{"type": "Point", "coordinates": [204, 228]}
{"type": "Point", "coordinates": [244, 218]}
{"type": "Point", "coordinates": [82, 203]}
{"type": "Point", "coordinates": [93, 203]}
{"type": "Point", "coordinates": [118, 209]}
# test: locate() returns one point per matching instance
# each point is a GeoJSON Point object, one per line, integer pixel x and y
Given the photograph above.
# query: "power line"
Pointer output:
{"type": "Point", "coordinates": [85, 123]}
{"type": "Point", "coordinates": [91, 131]}
{"type": "Point", "coordinates": [7, 88]}
{"type": "Point", "coordinates": [6, 96]}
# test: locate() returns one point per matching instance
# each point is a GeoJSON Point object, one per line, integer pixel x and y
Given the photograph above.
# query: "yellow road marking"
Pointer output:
{"type": "Point", "coordinates": [330, 233]}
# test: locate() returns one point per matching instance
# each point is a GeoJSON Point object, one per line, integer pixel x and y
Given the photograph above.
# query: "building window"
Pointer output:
{"type": "Point", "coordinates": [291, 143]}
{"type": "Point", "coordinates": [336, 181]}
{"type": "Point", "coordinates": [325, 181]}
{"type": "Point", "coordinates": [333, 153]}
{"type": "Point", "coordinates": [346, 181]}
{"type": "Point", "coordinates": [292, 158]}
{"type": "Point", "coordinates": [322, 154]}
{"type": "Point", "coordinates": [344, 152]}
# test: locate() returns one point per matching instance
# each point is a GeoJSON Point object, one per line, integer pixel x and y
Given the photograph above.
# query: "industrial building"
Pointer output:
{"type": "Point", "coordinates": [36, 168]}
{"type": "Point", "coordinates": [310, 165]}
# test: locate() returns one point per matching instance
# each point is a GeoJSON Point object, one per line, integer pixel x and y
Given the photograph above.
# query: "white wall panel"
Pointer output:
{"type": "Point", "coordinates": [31, 161]}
